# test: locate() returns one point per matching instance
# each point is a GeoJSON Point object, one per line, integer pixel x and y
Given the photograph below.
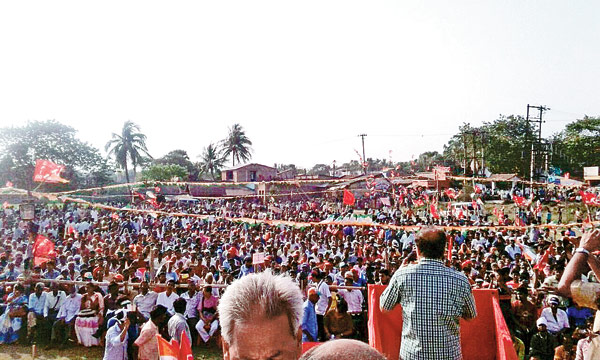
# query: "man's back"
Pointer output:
{"type": "Point", "coordinates": [433, 299]}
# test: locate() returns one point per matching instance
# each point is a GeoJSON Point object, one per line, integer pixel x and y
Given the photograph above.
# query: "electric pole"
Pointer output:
{"type": "Point", "coordinates": [538, 147]}
{"type": "Point", "coordinates": [364, 158]}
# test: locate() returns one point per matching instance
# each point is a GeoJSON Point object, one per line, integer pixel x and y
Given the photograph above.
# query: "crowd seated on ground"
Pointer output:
{"type": "Point", "coordinates": [184, 263]}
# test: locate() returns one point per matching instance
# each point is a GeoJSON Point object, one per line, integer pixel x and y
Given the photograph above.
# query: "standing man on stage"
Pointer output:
{"type": "Point", "coordinates": [433, 299]}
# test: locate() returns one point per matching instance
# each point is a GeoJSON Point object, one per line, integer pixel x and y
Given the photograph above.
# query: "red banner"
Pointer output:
{"type": "Point", "coordinates": [48, 172]}
{"type": "Point", "coordinates": [485, 337]}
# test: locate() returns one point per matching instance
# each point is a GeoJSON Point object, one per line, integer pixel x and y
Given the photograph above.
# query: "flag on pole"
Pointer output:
{"type": "Point", "coordinates": [528, 252]}
{"type": "Point", "coordinates": [434, 212]}
{"type": "Point", "coordinates": [185, 349]}
{"type": "Point", "coordinates": [544, 259]}
{"type": "Point", "coordinates": [43, 250]}
{"type": "Point", "coordinates": [9, 184]}
{"type": "Point", "coordinates": [167, 350]}
{"type": "Point", "coordinates": [48, 172]}
{"type": "Point", "coordinates": [348, 197]}
{"type": "Point", "coordinates": [520, 201]}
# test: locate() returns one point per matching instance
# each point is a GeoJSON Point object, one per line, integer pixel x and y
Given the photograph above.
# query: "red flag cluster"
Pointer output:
{"type": "Point", "coordinates": [172, 350]}
{"type": "Point", "coordinates": [48, 172]}
{"type": "Point", "coordinates": [451, 193]}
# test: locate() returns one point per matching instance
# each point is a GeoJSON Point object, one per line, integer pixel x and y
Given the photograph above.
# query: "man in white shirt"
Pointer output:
{"type": "Point", "coordinates": [145, 301]}
{"type": "Point", "coordinates": [65, 319]}
{"type": "Point", "coordinates": [168, 297]}
{"type": "Point", "coordinates": [557, 319]}
{"type": "Point", "coordinates": [354, 298]}
{"type": "Point", "coordinates": [323, 304]}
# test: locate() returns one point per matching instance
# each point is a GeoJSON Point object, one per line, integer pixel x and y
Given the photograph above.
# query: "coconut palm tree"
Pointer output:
{"type": "Point", "coordinates": [128, 147]}
{"type": "Point", "coordinates": [211, 160]}
{"type": "Point", "coordinates": [237, 145]}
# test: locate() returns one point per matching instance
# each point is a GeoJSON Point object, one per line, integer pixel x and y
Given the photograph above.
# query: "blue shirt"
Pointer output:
{"type": "Point", "coordinates": [309, 321]}
{"type": "Point", "coordinates": [37, 304]}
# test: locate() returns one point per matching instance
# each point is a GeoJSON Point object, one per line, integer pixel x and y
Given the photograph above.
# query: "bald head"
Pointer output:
{"type": "Point", "coordinates": [342, 349]}
{"type": "Point", "coordinates": [431, 242]}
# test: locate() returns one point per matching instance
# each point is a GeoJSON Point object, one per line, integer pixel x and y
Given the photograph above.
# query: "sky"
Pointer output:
{"type": "Point", "coordinates": [303, 78]}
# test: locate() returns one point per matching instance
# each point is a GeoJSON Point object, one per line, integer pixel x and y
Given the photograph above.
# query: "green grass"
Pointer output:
{"type": "Point", "coordinates": [22, 352]}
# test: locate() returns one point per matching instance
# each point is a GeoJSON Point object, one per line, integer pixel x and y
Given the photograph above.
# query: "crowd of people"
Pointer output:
{"type": "Point", "coordinates": [84, 294]}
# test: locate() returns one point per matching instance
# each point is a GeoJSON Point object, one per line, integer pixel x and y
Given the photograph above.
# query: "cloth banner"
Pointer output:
{"type": "Point", "coordinates": [48, 172]}
{"type": "Point", "coordinates": [481, 338]}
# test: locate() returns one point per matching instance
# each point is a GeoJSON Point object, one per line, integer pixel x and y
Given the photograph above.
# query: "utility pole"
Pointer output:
{"type": "Point", "coordinates": [539, 149]}
{"type": "Point", "coordinates": [364, 158]}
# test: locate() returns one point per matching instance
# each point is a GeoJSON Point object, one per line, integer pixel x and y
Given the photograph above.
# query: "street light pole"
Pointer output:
{"type": "Point", "coordinates": [364, 158]}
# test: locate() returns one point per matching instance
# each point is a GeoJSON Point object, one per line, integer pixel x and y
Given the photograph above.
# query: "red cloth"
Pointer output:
{"type": "Point", "coordinates": [481, 337]}
{"type": "Point", "coordinates": [434, 212]}
{"type": "Point", "coordinates": [48, 172]}
{"type": "Point", "coordinates": [348, 197]}
{"type": "Point", "coordinates": [309, 345]}
{"type": "Point", "coordinates": [185, 350]}
{"type": "Point", "coordinates": [43, 250]}
{"type": "Point", "coordinates": [167, 349]}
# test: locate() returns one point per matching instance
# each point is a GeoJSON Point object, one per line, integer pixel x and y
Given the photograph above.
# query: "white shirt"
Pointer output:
{"type": "Point", "coordinates": [354, 298]}
{"type": "Point", "coordinates": [324, 296]}
{"type": "Point", "coordinates": [54, 302]}
{"type": "Point", "coordinates": [555, 325]}
{"type": "Point", "coordinates": [115, 348]}
{"type": "Point", "coordinates": [70, 308]}
{"type": "Point", "coordinates": [167, 301]}
{"type": "Point", "coordinates": [145, 303]}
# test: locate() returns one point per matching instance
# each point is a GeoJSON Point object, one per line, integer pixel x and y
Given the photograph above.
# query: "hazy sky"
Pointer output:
{"type": "Point", "coordinates": [303, 78]}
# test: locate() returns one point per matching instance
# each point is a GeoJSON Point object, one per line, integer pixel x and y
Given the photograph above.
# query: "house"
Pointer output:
{"type": "Point", "coordinates": [249, 173]}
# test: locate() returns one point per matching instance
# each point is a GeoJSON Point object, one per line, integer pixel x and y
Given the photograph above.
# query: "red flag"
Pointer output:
{"type": "Point", "coordinates": [434, 212]}
{"type": "Point", "coordinates": [567, 176]}
{"type": "Point", "coordinates": [544, 259]}
{"type": "Point", "coordinates": [451, 193]}
{"type": "Point", "coordinates": [496, 213]}
{"type": "Point", "coordinates": [589, 198]}
{"type": "Point", "coordinates": [418, 203]}
{"type": "Point", "coordinates": [115, 216]}
{"type": "Point", "coordinates": [185, 349]}
{"type": "Point", "coordinates": [477, 189]}
{"type": "Point", "coordinates": [6, 205]}
{"type": "Point", "coordinates": [153, 202]}
{"type": "Point", "coordinates": [48, 172]}
{"type": "Point", "coordinates": [9, 184]}
{"type": "Point", "coordinates": [167, 350]}
{"type": "Point", "coordinates": [43, 250]}
{"type": "Point", "coordinates": [348, 197]}
{"type": "Point", "coordinates": [520, 201]}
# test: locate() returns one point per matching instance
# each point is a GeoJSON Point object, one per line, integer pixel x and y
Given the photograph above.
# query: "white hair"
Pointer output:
{"type": "Point", "coordinates": [260, 295]}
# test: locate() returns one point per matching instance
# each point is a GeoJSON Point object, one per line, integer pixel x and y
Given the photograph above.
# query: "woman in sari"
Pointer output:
{"type": "Point", "coordinates": [12, 319]}
{"type": "Point", "coordinates": [90, 316]}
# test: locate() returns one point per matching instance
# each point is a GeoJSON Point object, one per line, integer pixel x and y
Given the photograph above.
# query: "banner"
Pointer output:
{"type": "Point", "coordinates": [48, 172]}
{"type": "Point", "coordinates": [167, 350]}
{"type": "Point", "coordinates": [485, 337]}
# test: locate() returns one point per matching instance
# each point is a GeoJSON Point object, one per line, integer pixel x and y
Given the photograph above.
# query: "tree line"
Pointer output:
{"type": "Point", "coordinates": [499, 146]}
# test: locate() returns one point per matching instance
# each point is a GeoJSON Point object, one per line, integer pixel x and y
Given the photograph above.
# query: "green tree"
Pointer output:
{"type": "Point", "coordinates": [128, 147]}
{"type": "Point", "coordinates": [181, 158]}
{"type": "Point", "coordinates": [21, 146]}
{"type": "Point", "coordinates": [577, 146]}
{"type": "Point", "coordinates": [211, 161]}
{"type": "Point", "coordinates": [160, 172]}
{"type": "Point", "coordinates": [320, 169]}
{"type": "Point", "coordinates": [237, 144]}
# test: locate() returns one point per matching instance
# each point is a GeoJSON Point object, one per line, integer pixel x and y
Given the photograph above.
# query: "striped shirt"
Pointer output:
{"type": "Point", "coordinates": [433, 298]}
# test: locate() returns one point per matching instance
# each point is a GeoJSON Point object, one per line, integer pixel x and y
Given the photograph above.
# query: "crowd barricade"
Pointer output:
{"type": "Point", "coordinates": [485, 337]}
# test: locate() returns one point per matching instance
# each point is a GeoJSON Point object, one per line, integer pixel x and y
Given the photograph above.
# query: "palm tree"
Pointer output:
{"type": "Point", "coordinates": [211, 160]}
{"type": "Point", "coordinates": [237, 145]}
{"type": "Point", "coordinates": [129, 146]}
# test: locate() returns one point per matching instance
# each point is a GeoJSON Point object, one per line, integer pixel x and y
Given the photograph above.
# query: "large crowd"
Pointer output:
{"type": "Point", "coordinates": [184, 263]}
